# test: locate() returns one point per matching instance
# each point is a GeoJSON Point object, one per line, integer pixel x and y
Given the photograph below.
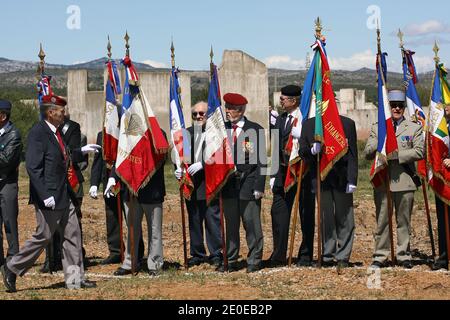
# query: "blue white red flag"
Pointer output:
{"type": "Point", "coordinates": [219, 162]}
{"type": "Point", "coordinates": [387, 141]}
{"type": "Point", "coordinates": [142, 145]}
{"type": "Point", "coordinates": [111, 120]}
{"type": "Point", "coordinates": [178, 133]}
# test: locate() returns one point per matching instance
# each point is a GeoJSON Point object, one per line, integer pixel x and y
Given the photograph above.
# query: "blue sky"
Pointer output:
{"type": "Point", "coordinates": [276, 32]}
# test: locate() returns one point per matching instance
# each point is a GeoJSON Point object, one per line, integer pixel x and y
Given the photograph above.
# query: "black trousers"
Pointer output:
{"type": "Point", "coordinates": [281, 217]}
{"type": "Point", "coordinates": [113, 225]}
{"type": "Point", "coordinates": [440, 212]}
{"type": "Point", "coordinates": [204, 220]}
{"type": "Point", "coordinates": [9, 209]}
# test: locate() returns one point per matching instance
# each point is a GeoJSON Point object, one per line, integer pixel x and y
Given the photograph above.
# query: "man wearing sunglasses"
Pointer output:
{"type": "Point", "coordinates": [402, 172]}
{"type": "Point", "coordinates": [202, 218]}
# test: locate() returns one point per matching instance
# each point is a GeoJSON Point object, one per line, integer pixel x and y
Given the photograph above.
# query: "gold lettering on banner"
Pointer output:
{"type": "Point", "coordinates": [334, 133]}
{"type": "Point", "coordinates": [330, 150]}
{"type": "Point", "coordinates": [129, 157]}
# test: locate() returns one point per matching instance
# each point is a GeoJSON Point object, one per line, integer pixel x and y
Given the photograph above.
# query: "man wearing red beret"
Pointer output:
{"type": "Point", "coordinates": [243, 192]}
{"type": "Point", "coordinates": [47, 163]}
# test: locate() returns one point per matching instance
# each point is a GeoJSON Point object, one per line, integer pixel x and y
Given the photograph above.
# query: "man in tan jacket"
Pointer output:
{"type": "Point", "coordinates": [402, 173]}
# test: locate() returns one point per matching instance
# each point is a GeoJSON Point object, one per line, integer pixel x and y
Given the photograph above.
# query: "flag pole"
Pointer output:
{"type": "Point", "coordinates": [400, 35]}
{"type": "Point", "coordinates": [183, 216]}
{"type": "Point", "coordinates": [119, 201]}
{"type": "Point", "coordinates": [388, 177]}
{"type": "Point", "coordinates": [294, 222]}
{"type": "Point", "coordinates": [319, 28]}
{"type": "Point", "coordinates": [39, 73]}
{"type": "Point", "coordinates": [222, 220]}
{"type": "Point", "coordinates": [131, 211]}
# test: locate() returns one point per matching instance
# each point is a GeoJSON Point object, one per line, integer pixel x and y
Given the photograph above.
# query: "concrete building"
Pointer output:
{"type": "Point", "coordinates": [86, 107]}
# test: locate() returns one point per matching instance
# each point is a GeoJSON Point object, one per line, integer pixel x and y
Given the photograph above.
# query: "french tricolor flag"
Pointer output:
{"type": "Point", "coordinates": [219, 164]}
{"type": "Point", "coordinates": [111, 120]}
{"type": "Point", "coordinates": [178, 133]}
{"type": "Point", "coordinates": [142, 145]}
{"type": "Point", "coordinates": [387, 141]}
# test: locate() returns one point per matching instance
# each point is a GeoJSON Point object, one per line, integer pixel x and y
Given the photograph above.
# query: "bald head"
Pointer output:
{"type": "Point", "coordinates": [199, 111]}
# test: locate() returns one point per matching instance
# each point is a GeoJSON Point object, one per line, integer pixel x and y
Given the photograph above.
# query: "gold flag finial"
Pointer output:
{"type": "Point", "coordinates": [319, 28]}
{"type": "Point", "coordinates": [127, 45]}
{"type": "Point", "coordinates": [211, 54]}
{"type": "Point", "coordinates": [109, 49]}
{"type": "Point", "coordinates": [41, 65]}
{"type": "Point", "coordinates": [436, 52]}
{"type": "Point", "coordinates": [400, 35]}
{"type": "Point", "coordinates": [172, 50]}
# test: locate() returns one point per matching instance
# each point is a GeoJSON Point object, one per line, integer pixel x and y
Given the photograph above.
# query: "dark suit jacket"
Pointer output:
{"type": "Point", "coordinates": [283, 138]}
{"type": "Point", "coordinates": [346, 169]}
{"type": "Point", "coordinates": [47, 168]}
{"type": "Point", "coordinates": [250, 160]}
{"type": "Point", "coordinates": [72, 138]}
{"type": "Point", "coordinates": [199, 192]}
{"type": "Point", "coordinates": [10, 152]}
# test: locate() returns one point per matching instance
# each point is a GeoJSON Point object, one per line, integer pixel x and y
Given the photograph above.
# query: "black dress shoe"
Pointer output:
{"type": "Point", "coordinates": [439, 264]}
{"type": "Point", "coordinates": [122, 272]}
{"type": "Point", "coordinates": [111, 260]}
{"type": "Point", "coordinates": [86, 284]}
{"type": "Point", "coordinates": [232, 267]}
{"type": "Point", "coordinates": [153, 273]}
{"type": "Point", "coordinates": [406, 264]}
{"type": "Point", "coordinates": [377, 265]}
{"type": "Point", "coordinates": [195, 261]}
{"type": "Point", "coordinates": [216, 261]}
{"type": "Point", "coordinates": [328, 264]}
{"type": "Point", "coordinates": [253, 268]}
{"type": "Point", "coordinates": [275, 264]}
{"type": "Point", "coordinates": [302, 263]}
{"type": "Point", "coordinates": [9, 279]}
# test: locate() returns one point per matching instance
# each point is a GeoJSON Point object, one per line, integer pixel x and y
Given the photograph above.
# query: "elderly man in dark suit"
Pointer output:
{"type": "Point", "coordinates": [204, 221]}
{"type": "Point", "coordinates": [10, 152]}
{"type": "Point", "coordinates": [47, 162]}
{"type": "Point", "coordinates": [336, 193]}
{"type": "Point", "coordinates": [284, 201]}
{"type": "Point", "coordinates": [73, 139]}
{"type": "Point", "coordinates": [245, 188]}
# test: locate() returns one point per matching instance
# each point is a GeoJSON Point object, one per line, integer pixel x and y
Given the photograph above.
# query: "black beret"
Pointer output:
{"type": "Point", "coordinates": [5, 105]}
{"type": "Point", "coordinates": [291, 91]}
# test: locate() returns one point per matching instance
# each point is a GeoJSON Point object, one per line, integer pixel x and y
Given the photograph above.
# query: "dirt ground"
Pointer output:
{"type": "Point", "coordinates": [203, 283]}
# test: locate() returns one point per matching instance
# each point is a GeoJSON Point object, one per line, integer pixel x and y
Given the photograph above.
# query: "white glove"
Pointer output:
{"type": "Point", "coordinates": [178, 173]}
{"type": "Point", "coordinates": [296, 132]}
{"type": "Point", "coordinates": [258, 195]}
{"type": "Point", "coordinates": [90, 148]}
{"type": "Point", "coordinates": [194, 168]}
{"type": "Point", "coordinates": [50, 203]}
{"type": "Point", "coordinates": [272, 183]}
{"type": "Point", "coordinates": [316, 148]}
{"type": "Point", "coordinates": [350, 188]}
{"type": "Point", "coordinates": [109, 186]}
{"type": "Point", "coordinates": [93, 192]}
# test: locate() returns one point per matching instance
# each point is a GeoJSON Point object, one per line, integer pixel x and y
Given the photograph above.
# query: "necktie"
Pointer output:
{"type": "Point", "coordinates": [61, 144]}
{"type": "Point", "coordinates": [395, 126]}
{"type": "Point", "coordinates": [234, 136]}
{"type": "Point", "coordinates": [288, 122]}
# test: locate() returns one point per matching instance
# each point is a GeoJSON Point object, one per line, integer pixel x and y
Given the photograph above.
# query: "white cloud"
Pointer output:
{"type": "Point", "coordinates": [427, 27]}
{"type": "Point", "coordinates": [155, 64]}
{"type": "Point", "coordinates": [284, 62]}
{"type": "Point", "coordinates": [365, 59]}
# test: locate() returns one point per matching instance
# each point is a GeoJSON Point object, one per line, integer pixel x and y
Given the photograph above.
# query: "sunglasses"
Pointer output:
{"type": "Point", "coordinates": [397, 106]}
{"type": "Point", "coordinates": [201, 114]}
